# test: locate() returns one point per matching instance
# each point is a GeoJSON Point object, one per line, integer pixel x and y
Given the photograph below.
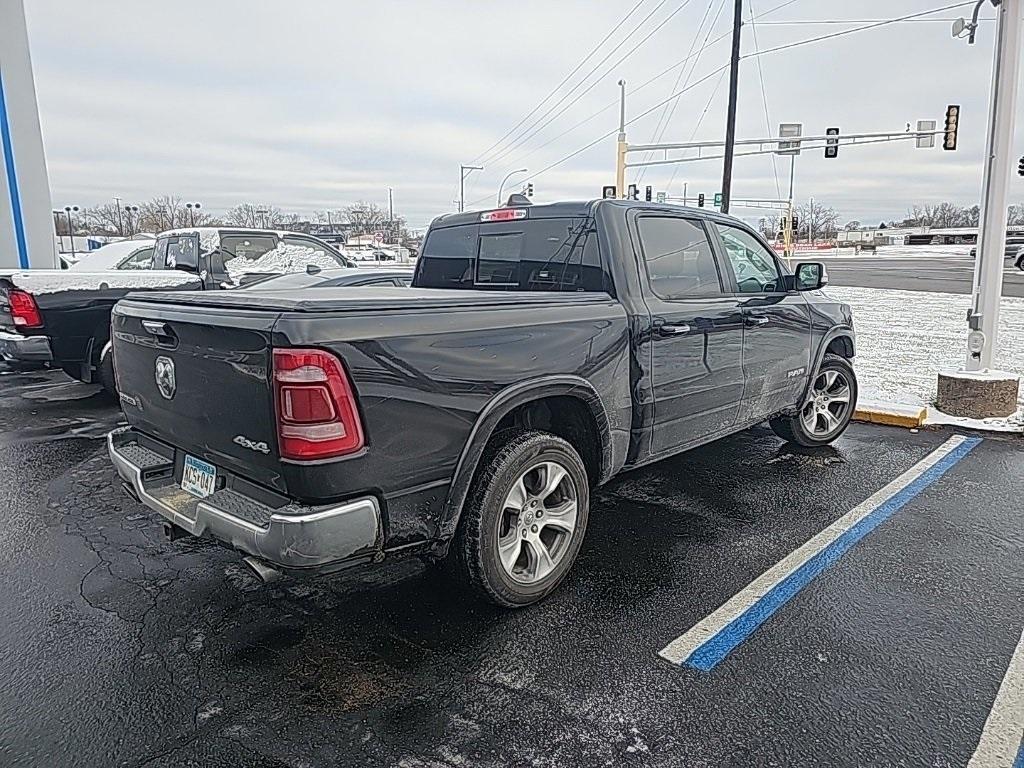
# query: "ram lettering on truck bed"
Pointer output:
{"type": "Point", "coordinates": [540, 351]}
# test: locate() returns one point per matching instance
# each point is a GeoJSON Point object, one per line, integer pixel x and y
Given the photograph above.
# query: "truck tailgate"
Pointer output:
{"type": "Point", "coordinates": [199, 378]}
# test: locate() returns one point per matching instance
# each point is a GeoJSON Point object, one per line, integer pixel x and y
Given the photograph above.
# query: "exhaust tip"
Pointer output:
{"type": "Point", "coordinates": [266, 573]}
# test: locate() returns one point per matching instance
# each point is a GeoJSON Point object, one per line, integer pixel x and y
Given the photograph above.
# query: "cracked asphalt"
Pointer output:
{"type": "Point", "coordinates": [119, 648]}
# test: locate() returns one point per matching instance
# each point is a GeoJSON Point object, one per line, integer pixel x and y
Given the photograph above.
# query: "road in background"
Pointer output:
{"type": "Point", "coordinates": [942, 274]}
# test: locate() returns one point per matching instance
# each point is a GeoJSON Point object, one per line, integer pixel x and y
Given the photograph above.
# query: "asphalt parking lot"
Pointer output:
{"type": "Point", "coordinates": [120, 648]}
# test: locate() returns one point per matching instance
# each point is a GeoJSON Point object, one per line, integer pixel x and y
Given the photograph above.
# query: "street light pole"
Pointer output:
{"type": "Point", "coordinates": [117, 205]}
{"type": "Point", "coordinates": [508, 176]}
{"type": "Point", "coordinates": [978, 391]}
{"type": "Point", "coordinates": [465, 170]}
{"type": "Point", "coordinates": [71, 228]}
{"type": "Point", "coordinates": [621, 146]}
{"type": "Point", "coordinates": [988, 267]}
{"type": "Point", "coordinates": [730, 124]}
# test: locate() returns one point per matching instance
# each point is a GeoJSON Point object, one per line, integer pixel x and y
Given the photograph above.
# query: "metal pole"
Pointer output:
{"type": "Point", "coordinates": [117, 204]}
{"type": "Point", "coordinates": [730, 124]}
{"type": "Point", "coordinates": [463, 171]}
{"type": "Point", "coordinates": [71, 232]}
{"type": "Point", "coordinates": [983, 321]}
{"type": "Point", "coordinates": [621, 146]}
{"type": "Point", "coordinates": [508, 176]}
{"type": "Point", "coordinates": [684, 192]}
{"type": "Point", "coordinates": [789, 217]}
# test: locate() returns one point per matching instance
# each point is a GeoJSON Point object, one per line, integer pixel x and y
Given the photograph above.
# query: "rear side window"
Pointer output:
{"type": "Point", "coordinates": [178, 252]}
{"type": "Point", "coordinates": [678, 257]}
{"type": "Point", "coordinates": [528, 255]}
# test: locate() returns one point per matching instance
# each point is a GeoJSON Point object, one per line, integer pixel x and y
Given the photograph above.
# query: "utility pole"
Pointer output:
{"type": "Point", "coordinates": [978, 391]}
{"type": "Point", "coordinates": [391, 214]}
{"type": "Point", "coordinates": [464, 171]}
{"type": "Point", "coordinates": [788, 237]}
{"type": "Point", "coordinates": [684, 192]}
{"type": "Point", "coordinates": [620, 147]}
{"type": "Point", "coordinates": [117, 204]}
{"type": "Point", "coordinates": [730, 124]}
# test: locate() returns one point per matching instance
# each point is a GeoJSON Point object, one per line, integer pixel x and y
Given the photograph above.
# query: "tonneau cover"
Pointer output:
{"type": "Point", "coordinates": [355, 299]}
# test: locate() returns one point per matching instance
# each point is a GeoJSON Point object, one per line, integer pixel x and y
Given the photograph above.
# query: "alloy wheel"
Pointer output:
{"type": "Point", "coordinates": [828, 404]}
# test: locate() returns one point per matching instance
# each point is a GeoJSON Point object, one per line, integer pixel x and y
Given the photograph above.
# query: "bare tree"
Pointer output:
{"type": "Point", "coordinates": [255, 215]}
{"type": "Point", "coordinates": [770, 224]}
{"type": "Point", "coordinates": [817, 221]}
{"type": "Point", "coordinates": [1015, 215]}
{"type": "Point", "coordinates": [103, 219]}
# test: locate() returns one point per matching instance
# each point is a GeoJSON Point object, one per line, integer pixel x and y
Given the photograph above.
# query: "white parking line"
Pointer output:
{"type": "Point", "coordinates": [1002, 739]}
{"type": "Point", "coordinates": [709, 641]}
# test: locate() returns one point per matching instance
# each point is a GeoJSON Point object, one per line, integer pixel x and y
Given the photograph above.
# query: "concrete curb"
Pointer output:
{"type": "Point", "coordinates": [890, 414]}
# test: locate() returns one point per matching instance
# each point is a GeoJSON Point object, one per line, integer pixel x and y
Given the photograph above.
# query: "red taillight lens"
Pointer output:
{"type": "Point", "coordinates": [505, 214]}
{"type": "Point", "coordinates": [24, 311]}
{"type": "Point", "coordinates": [316, 409]}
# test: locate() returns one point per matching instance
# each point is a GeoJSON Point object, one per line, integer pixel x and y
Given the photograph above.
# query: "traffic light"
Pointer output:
{"type": "Point", "coordinates": [648, 193]}
{"type": "Point", "coordinates": [796, 224]}
{"type": "Point", "coordinates": [700, 200]}
{"type": "Point", "coordinates": [832, 145]}
{"type": "Point", "coordinates": [952, 120]}
{"type": "Point", "coordinates": [529, 189]}
{"type": "Point", "coordinates": [1020, 167]}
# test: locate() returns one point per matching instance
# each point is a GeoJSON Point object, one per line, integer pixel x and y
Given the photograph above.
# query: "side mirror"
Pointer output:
{"type": "Point", "coordinates": [810, 276]}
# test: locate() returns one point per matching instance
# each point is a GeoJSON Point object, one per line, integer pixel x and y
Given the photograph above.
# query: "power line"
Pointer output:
{"type": "Point", "coordinates": [667, 113]}
{"type": "Point", "coordinates": [565, 79]}
{"type": "Point", "coordinates": [764, 98]}
{"type": "Point", "coordinates": [696, 126]}
{"type": "Point", "coordinates": [535, 129]}
{"type": "Point", "coordinates": [795, 22]}
{"type": "Point", "coordinates": [872, 25]}
{"type": "Point", "coordinates": [643, 85]}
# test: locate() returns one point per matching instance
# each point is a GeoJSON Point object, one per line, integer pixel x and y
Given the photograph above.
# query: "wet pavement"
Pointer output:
{"type": "Point", "coordinates": [120, 648]}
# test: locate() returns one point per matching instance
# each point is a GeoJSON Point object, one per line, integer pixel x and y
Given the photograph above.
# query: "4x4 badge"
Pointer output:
{"type": "Point", "coordinates": [245, 442]}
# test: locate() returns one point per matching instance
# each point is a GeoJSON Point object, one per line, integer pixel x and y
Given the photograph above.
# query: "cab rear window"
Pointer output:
{"type": "Point", "coordinates": [526, 255]}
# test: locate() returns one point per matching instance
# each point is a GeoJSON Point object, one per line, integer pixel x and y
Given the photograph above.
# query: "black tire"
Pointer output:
{"type": "Point", "coordinates": [792, 429]}
{"type": "Point", "coordinates": [474, 552]}
{"type": "Point", "coordinates": [105, 372]}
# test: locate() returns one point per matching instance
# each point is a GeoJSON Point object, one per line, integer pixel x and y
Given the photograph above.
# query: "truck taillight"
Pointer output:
{"type": "Point", "coordinates": [24, 310]}
{"type": "Point", "coordinates": [316, 408]}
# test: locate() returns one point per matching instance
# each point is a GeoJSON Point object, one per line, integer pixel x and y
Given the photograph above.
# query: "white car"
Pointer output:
{"type": "Point", "coordinates": [124, 254]}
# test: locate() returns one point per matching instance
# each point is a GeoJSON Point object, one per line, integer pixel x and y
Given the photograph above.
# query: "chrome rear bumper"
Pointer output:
{"type": "Point", "coordinates": [29, 349]}
{"type": "Point", "coordinates": [290, 537]}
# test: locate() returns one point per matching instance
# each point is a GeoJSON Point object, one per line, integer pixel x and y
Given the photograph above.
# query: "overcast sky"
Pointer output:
{"type": "Point", "coordinates": [310, 104]}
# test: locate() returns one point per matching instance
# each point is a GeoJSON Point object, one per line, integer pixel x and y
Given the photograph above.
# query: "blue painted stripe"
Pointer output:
{"type": "Point", "coordinates": [719, 645]}
{"type": "Point", "coordinates": [1019, 762]}
{"type": "Point", "coordinates": [12, 179]}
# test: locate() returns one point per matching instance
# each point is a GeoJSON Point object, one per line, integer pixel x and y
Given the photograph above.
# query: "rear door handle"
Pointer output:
{"type": "Point", "coordinates": [673, 330]}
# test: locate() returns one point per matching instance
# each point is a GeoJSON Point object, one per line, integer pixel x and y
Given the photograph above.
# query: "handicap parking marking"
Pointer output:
{"type": "Point", "coordinates": [1002, 739]}
{"type": "Point", "coordinates": [709, 641]}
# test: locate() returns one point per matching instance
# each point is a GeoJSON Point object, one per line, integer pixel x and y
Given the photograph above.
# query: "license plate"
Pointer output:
{"type": "Point", "coordinates": [198, 477]}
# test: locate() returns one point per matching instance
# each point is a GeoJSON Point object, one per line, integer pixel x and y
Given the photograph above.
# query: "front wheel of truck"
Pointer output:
{"type": "Point", "coordinates": [524, 519]}
{"type": "Point", "coordinates": [827, 408]}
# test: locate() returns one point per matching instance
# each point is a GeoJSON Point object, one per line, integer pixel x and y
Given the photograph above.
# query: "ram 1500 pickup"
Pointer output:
{"type": "Point", "coordinates": [62, 317]}
{"type": "Point", "coordinates": [541, 350]}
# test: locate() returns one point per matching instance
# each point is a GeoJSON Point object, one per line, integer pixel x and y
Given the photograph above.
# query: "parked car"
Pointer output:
{"type": "Point", "coordinates": [539, 352]}
{"type": "Point", "coordinates": [332, 278]}
{"type": "Point", "coordinates": [124, 254]}
{"type": "Point", "coordinates": [63, 316]}
{"type": "Point", "coordinates": [1013, 246]}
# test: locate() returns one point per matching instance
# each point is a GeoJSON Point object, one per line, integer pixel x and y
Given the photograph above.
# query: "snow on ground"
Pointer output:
{"type": "Point", "coordinates": [890, 252]}
{"type": "Point", "coordinates": [284, 259]}
{"type": "Point", "coordinates": [904, 338]}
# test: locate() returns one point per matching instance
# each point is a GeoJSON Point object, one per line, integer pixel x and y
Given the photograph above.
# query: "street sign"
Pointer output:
{"type": "Point", "coordinates": [718, 199]}
{"type": "Point", "coordinates": [832, 145]}
{"type": "Point", "coordinates": [789, 130]}
{"type": "Point", "coordinates": [608, 193]}
{"type": "Point", "coordinates": [663, 196]}
{"type": "Point", "coordinates": [924, 142]}
{"type": "Point", "coordinates": [952, 121]}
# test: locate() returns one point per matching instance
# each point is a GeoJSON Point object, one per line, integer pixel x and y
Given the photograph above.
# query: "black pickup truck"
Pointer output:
{"type": "Point", "coordinates": [540, 351]}
{"type": "Point", "coordinates": [62, 317]}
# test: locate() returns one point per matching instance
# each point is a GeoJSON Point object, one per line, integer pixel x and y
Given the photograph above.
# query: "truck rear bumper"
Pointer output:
{"type": "Point", "coordinates": [29, 349]}
{"type": "Point", "coordinates": [290, 537]}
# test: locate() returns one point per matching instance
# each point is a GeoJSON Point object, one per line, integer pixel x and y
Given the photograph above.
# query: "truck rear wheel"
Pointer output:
{"type": "Point", "coordinates": [826, 410]}
{"type": "Point", "coordinates": [524, 520]}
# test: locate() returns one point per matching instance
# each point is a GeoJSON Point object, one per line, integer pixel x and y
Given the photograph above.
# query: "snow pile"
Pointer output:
{"type": "Point", "coordinates": [904, 338]}
{"type": "Point", "coordinates": [43, 281]}
{"type": "Point", "coordinates": [209, 238]}
{"type": "Point", "coordinates": [282, 260]}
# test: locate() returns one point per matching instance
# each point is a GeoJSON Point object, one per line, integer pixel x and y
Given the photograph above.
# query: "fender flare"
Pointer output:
{"type": "Point", "coordinates": [834, 333]}
{"type": "Point", "coordinates": [494, 411]}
